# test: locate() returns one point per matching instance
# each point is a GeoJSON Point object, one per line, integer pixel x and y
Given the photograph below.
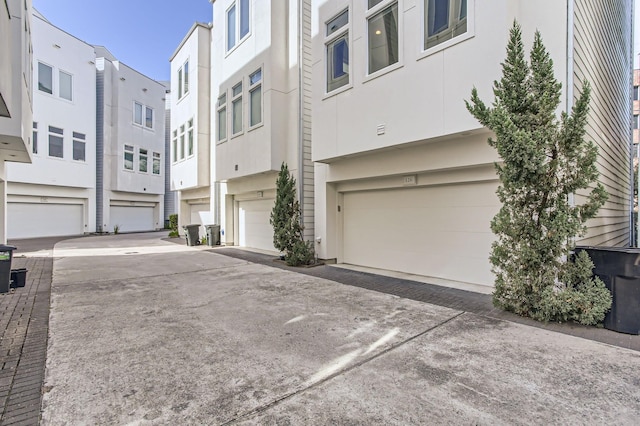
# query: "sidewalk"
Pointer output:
{"type": "Point", "coordinates": [24, 326]}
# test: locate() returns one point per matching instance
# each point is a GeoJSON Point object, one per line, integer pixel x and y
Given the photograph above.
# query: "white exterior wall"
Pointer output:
{"type": "Point", "coordinates": [122, 87]}
{"type": "Point", "coordinates": [191, 175]}
{"type": "Point", "coordinates": [51, 179]}
{"type": "Point", "coordinates": [247, 164]}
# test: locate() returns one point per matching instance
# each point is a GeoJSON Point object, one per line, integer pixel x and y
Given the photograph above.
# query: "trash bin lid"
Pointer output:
{"type": "Point", "coordinates": [4, 247]}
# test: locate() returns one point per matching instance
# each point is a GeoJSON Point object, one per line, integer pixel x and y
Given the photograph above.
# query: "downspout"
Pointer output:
{"type": "Point", "coordinates": [300, 112]}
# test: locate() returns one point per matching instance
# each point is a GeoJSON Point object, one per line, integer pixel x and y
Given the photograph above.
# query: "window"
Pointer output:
{"type": "Point", "coordinates": [34, 147]}
{"type": "Point", "coordinates": [190, 138]}
{"type": "Point", "coordinates": [142, 160]}
{"type": "Point", "coordinates": [237, 23]}
{"type": "Point", "coordinates": [156, 163]}
{"type": "Point", "coordinates": [255, 98]}
{"type": "Point", "coordinates": [236, 109]}
{"type": "Point", "coordinates": [128, 157]}
{"type": "Point", "coordinates": [183, 80]}
{"type": "Point", "coordinates": [45, 78]}
{"type": "Point", "coordinates": [444, 20]}
{"type": "Point", "coordinates": [635, 93]}
{"type": "Point", "coordinates": [182, 142]}
{"type": "Point", "coordinates": [65, 88]}
{"type": "Point", "coordinates": [79, 146]}
{"type": "Point", "coordinates": [174, 146]}
{"type": "Point", "coordinates": [148, 118]}
{"type": "Point", "coordinates": [372, 3]}
{"type": "Point", "coordinates": [137, 113]}
{"type": "Point", "coordinates": [337, 48]}
{"type": "Point", "coordinates": [222, 117]}
{"type": "Point", "coordinates": [56, 142]}
{"type": "Point", "coordinates": [383, 38]}
{"type": "Point", "coordinates": [635, 122]}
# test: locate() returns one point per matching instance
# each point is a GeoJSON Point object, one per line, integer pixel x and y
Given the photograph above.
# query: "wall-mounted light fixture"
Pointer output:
{"type": "Point", "coordinates": [122, 79]}
{"type": "Point", "coordinates": [57, 46]}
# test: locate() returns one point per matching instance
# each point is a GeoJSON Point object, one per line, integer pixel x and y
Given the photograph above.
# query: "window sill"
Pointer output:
{"type": "Point", "coordinates": [255, 126]}
{"type": "Point", "coordinates": [444, 45]}
{"type": "Point", "coordinates": [337, 91]}
{"type": "Point", "coordinates": [237, 135]}
{"type": "Point", "coordinates": [242, 40]}
{"type": "Point", "coordinates": [382, 72]}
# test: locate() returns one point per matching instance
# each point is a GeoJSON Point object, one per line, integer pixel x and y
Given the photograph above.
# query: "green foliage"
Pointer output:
{"type": "Point", "coordinates": [544, 159]}
{"type": "Point", "coordinates": [203, 240]}
{"type": "Point", "coordinates": [173, 223]}
{"type": "Point", "coordinates": [287, 227]}
{"type": "Point", "coordinates": [116, 229]}
{"type": "Point", "coordinates": [174, 234]}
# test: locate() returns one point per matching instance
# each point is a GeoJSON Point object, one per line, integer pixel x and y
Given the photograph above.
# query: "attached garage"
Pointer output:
{"type": "Point", "coordinates": [438, 231]}
{"type": "Point", "coordinates": [32, 220]}
{"type": "Point", "coordinates": [133, 218]}
{"type": "Point", "coordinates": [254, 229]}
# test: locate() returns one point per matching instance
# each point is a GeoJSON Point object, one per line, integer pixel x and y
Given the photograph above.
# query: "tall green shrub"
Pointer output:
{"type": "Point", "coordinates": [285, 218]}
{"type": "Point", "coordinates": [173, 225]}
{"type": "Point", "coordinates": [544, 159]}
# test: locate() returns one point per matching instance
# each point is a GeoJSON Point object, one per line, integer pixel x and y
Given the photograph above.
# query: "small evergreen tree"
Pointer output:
{"type": "Point", "coordinates": [285, 218]}
{"type": "Point", "coordinates": [544, 159]}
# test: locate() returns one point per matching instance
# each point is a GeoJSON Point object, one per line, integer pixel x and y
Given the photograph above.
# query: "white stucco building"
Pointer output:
{"type": "Point", "coordinates": [131, 147]}
{"type": "Point", "coordinates": [404, 175]}
{"type": "Point", "coordinates": [190, 152]}
{"type": "Point", "coordinates": [16, 93]}
{"type": "Point", "coordinates": [260, 95]}
{"type": "Point", "coordinates": [56, 194]}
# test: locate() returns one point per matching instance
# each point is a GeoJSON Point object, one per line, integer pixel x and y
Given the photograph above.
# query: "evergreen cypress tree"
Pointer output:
{"type": "Point", "coordinates": [285, 218]}
{"type": "Point", "coordinates": [544, 160]}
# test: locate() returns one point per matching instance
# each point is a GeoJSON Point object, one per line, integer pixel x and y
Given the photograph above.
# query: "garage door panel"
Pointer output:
{"type": "Point", "coordinates": [254, 227]}
{"type": "Point", "coordinates": [133, 218]}
{"type": "Point", "coordinates": [441, 231]}
{"type": "Point", "coordinates": [27, 220]}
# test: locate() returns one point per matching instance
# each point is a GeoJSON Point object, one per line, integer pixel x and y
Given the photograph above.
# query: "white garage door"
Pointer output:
{"type": "Point", "coordinates": [25, 220]}
{"type": "Point", "coordinates": [253, 222]}
{"type": "Point", "coordinates": [132, 218]}
{"type": "Point", "coordinates": [441, 231]}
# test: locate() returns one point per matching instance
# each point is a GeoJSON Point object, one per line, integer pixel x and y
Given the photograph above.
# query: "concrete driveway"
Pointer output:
{"type": "Point", "coordinates": [143, 331]}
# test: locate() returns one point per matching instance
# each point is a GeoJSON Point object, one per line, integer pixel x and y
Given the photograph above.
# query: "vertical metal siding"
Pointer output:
{"type": "Point", "coordinates": [602, 56]}
{"type": "Point", "coordinates": [169, 195]}
{"type": "Point", "coordinates": [99, 149]}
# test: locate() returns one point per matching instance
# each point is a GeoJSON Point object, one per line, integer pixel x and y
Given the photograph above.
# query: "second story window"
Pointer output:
{"type": "Point", "coordinates": [174, 146]}
{"type": "Point", "coordinates": [148, 122]}
{"type": "Point", "coordinates": [156, 163]}
{"type": "Point", "coordinates": [142, 160]}
{"type": "Point", "coordinates": [34, 147]}
{"type": "Point", "coordinates": [337, 48]}
{"type": "Point", "coordinates": [255, 98]}
{"type": "Point", "coordinates": [237, 22]}
{"type": "Point", "coordinates": [143, 115]}
{"type": "Point", "coordinates": [65, 89]}
{"type": "Point", "coordinates": [222, 117]}
{"type": "Point", "coordinates": [443, 20]}
{"type": "Point", "coordinates": [383, 35]}
{"type": "Point", "coordinates": [128, 157]}
{"type": "Point", "coordinates": [137, 113]}
{"type": "Point", "coordinates": [79, 145]}
{"type": "Point", "coordinates": [236, 109]}
{"type": "Point", "coordinates": [182, 142]}
{"type": "Point", "coordinates": [190, 138]}
{"type": "Point", "coordinates": [56, 142]}
{"type": "Point", "coordinates": [183, 80]}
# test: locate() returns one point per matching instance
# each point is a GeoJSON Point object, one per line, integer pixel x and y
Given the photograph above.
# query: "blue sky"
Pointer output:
{"type": "Point", "coordinates": [141, 33]}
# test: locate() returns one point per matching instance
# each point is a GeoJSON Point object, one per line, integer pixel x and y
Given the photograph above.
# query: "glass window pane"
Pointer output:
{"type": "Point", "coordinates": [383, 39]}
{"type": "Point", "coordinates": [222, 124]}
{"type": "Point", "coordinates": [222, 99]}
{"type": "Point", "coordinates": [45, 78]}
{"type": "Point", "coordinates": [244, 18]}
{"type": "Point", "coordinates": [237, 89]}
{"type": "Point", "coordinates": [66, 86]}
{"type": "Point", "coordinates": [186, 77]}
{"type": "Point", "coordinates": [443, 20]}
{"type": "Point", "coordinates": [156, 166]}
{"type": "Point", "coordinates": [255, 77]}
{"type": "Point", "coordinates": [338, 22]}
{"type": "Point", "coordinates": [373, 3]}
{"type": "Point", "coordinates": [137, 113]}
{"type": "Point", "coordinates": [142, 166]}
{"type": "Point", "coordinates": [175, 150]}
{"type": "Point", "coordinates": [179, 83]}
{"type": "Point", "coordinates": [128, 160]}
{"type": "Point", "coordinates": [338, 63]}
{"type": "Point", "coordinates": [78, 150]}
{"type": "Point", "coordinates": [237, 116]}
{"type": "Point", "coordinates": [35, 142]}
{"type": "Point", "coordinates": [190, 142]}
{"type": "Point", "coordinates": [149, 118]}
{"type": "Point", "coordinates": [77, 135]}
{"type": "Point", "coordinates": [635, 121]}
{"type": "Point", "coordinates": [635, 93]}
{"type": "Point", "coordinates": [255, 110]}
{"type": "Point", "coordinates": [231, 27]}
{"type": "Point", "coordinates": [56, 130]}
{"type": "Point", "coordinates": [55, 146]}
{"type": "Point", "coordinates": [182, 146]}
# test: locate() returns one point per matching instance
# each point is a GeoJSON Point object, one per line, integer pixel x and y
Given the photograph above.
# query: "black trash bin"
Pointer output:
{"type": "Point", "coordinates": [18, 277]}
{"type": "Point", "coordinates": [213, 235]}
{"type": "Point", "coordinates": [192, 232]}
{"type": "Point", "coordinates": [619, 269]}
{"type": "Point", "coordinates": [6, 255]}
